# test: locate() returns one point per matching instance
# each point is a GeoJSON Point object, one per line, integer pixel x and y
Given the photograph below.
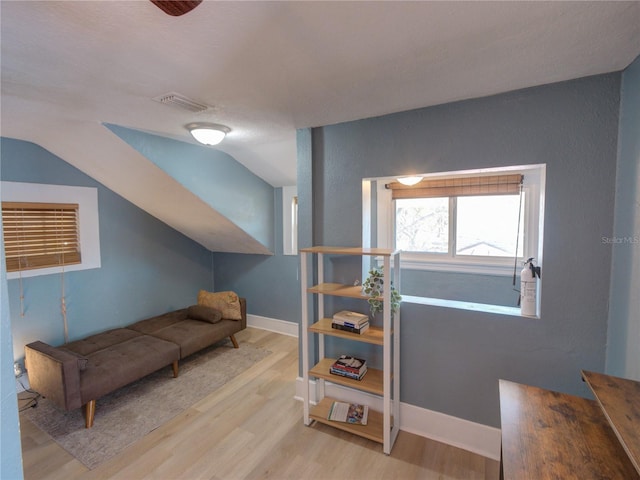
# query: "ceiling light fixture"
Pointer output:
{"type": "Point", "coordinates": [409, 180]}
{"type": "Point", "coordinates": [208, 133]}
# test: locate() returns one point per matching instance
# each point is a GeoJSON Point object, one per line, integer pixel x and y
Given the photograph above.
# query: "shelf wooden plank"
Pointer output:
{"type": "Point", "coordinates": [373, 335]}
{"type": "Point", "coordinates": [372, 381]}
{"type": "Point", "coordinates": [384, 252]}
{"type": "Point", "coordinates": [373, 430]}
{"type": "Point", "coordinates": [339, 290]}
{"type": "Point", "coordinates": [619, 399]}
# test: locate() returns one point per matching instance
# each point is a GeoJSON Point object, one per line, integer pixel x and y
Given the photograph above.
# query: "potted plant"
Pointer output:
{"type": "Point", "coordinates": [373, 287]}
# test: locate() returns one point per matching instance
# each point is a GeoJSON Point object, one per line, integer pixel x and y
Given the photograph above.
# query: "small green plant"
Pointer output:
{"type": "Point", "coordinates": [373, 287]}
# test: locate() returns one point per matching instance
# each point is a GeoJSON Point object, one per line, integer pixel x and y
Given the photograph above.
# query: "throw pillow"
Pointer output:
{"type": "Point", "coordinates": [204, 314]}
{"type": "Point", "coordinates": [228, 303]}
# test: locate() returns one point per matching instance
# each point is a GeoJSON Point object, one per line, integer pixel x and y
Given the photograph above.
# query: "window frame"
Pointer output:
{"type": "Point", "coordinates": [290, 220]}
{"type": "Point", "coordinates": [533, 188]}
{"type": "Point", "coordinates": [87, 200]}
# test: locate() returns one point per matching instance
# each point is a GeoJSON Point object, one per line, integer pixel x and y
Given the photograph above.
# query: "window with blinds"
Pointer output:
{"type": "Point", "coordinates": [40, 235]}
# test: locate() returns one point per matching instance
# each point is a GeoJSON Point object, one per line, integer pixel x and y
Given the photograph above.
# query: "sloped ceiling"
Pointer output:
{"type": "Point", "coordinates": [267, 68]}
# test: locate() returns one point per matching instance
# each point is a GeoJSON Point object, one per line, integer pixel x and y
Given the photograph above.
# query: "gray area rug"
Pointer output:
{"type": "Point", "coordinates": [131, 412]}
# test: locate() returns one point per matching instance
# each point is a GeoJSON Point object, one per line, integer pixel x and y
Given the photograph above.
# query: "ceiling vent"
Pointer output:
{"type": "Point", "coordinates": [180, 101]}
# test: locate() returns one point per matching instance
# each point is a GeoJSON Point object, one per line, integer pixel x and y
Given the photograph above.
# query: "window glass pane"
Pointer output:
{"type": "Point", "coordinates": [422, 225]}
{"type": "Point", "coordinates": [488, 225]}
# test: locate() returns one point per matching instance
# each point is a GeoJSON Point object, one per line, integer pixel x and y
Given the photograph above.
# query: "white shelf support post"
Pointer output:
{"type": "Point", "coordinates": [304, 332]}
{"type": "Point", "coordinates": [386, 356]}
{"type": "Point", "coordinates": [320, 383]}
{"type": "Point", "coordinates": [396, 354]}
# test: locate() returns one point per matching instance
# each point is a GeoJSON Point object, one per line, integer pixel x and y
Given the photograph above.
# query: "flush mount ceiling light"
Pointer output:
{"type": "Point", "coordinates": [207, 133]}
{"type": "Point", "coordinates": [409, 180]}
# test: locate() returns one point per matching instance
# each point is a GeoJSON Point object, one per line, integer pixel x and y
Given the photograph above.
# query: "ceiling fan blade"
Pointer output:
{"type": "Point", "coordinates": [176, 8]}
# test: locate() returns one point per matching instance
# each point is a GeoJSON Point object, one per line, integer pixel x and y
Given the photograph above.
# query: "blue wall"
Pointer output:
{"type": "Point", "coordinates": [147, 267]}
{"type": "Point", "coordinates": [215, 177]}
{"type": "Point", "coordinates": [465, 287]}
{"type": "Point", "coordinates": [623, 351]}
{"type": "Point", "coordinates": [452, 359]}
{"type": "Point", "coordinates": [270, 283]}
{"type": "Point", "coordinates": [10, 447]}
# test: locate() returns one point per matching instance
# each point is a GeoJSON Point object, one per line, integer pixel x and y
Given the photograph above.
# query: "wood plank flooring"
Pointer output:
{"type": "Point", "coordinates": [252, 428]}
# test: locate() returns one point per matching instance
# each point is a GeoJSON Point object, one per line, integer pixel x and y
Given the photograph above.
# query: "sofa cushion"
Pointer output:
{"type": "Point", "coordinates": [204, 314]}
{"type": "Point", "coordinates": [227, 303]}
{"type": "Point", "coordinates": [114, 367]}
{"type": "Point", "coordinates": [100, 341]}
{"type": "Point", "coordinates": [159, 322]}
{"type": "Point", "coordinates": [194, 335]}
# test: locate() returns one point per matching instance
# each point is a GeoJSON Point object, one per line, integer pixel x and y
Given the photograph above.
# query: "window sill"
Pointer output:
{"type": "Point", "coordinates": [475, 307]}
{"type": "Point", "coordinates": [476, 268]}
{"type": "Point", "coordinates": [459, 267]}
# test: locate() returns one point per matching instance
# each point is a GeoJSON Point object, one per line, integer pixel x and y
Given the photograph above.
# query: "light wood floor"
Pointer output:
{"type": "Point", "coordinates": [252, 428]}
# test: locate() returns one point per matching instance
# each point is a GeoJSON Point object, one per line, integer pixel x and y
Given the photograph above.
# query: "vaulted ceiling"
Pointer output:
{"type": "Point", "coordinates": [267, 68]}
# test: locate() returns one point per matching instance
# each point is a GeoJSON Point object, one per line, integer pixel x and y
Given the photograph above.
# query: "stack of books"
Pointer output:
{"type": "Point", "coordinates": [350, 367]}
{"type": "Point", "coordinates": [353, 322]}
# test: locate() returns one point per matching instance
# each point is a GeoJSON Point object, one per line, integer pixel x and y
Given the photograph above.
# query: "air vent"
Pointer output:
{"type": "Point", "coordinates": [180, 101]}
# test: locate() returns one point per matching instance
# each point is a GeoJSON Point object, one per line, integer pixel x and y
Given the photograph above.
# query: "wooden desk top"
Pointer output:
{"type": "Point", "coordinates": [550, 435]}
{"type": "Point", "coordinates": [619, 399]}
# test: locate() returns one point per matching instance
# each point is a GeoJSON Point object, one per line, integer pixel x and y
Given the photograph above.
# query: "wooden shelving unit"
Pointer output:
{"type": "Point", "coordinates": [383, 426]}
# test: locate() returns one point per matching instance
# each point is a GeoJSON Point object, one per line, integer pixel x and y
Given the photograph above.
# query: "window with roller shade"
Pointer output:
{"type": "Point", "coordinates": [472, 221]}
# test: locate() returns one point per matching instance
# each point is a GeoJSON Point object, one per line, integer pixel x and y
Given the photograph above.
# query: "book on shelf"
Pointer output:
{"type": "Point", "coordinates": [347, 362]}
{"type": "Point", "coordinates": [348, 328]}
{"type": "Point", "coordinates": [353, 413]}
{"type": "Point", "coordinates": [344, 373]}
{"type": "Point", "coordinates": [346, 317]}
{"type": "Point", "coordinates": [348, 366]}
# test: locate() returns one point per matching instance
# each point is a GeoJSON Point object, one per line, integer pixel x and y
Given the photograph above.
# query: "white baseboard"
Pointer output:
{"type": "Point", "coordinates": [473, 437]}
{"type": "Point", "coordinates": [273, 325]}
{"type": "Point", "coordinates": [458, 432]}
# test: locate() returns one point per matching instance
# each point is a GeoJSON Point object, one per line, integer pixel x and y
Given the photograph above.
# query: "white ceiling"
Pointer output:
{"type": "Point", "coordinates": [268, 68]}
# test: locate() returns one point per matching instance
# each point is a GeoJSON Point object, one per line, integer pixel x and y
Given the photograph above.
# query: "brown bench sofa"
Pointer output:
{"type": "Point", "coordinates": [80, 372]}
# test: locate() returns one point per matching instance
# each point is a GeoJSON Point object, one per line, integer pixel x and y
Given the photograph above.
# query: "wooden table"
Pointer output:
{"type": "Point", "coordinates": [619, 399]}
{"type": "Point", "coordinates": [551, 435]}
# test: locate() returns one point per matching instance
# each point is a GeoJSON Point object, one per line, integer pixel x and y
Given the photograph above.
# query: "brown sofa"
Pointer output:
{"type": "Point", "coordinates": [80, 372]}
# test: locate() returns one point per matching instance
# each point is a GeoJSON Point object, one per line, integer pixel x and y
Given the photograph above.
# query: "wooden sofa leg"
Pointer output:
{"type": "Point", "coordinates": [175, 369]}
{"type": "Point", "coordinates": [89, 412]}
{"type": "Point", "coordinates": [234, 341]}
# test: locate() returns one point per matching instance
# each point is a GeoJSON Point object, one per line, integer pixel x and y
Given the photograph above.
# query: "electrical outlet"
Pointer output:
{"type": "Point", "coordinates": [17, 369]}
